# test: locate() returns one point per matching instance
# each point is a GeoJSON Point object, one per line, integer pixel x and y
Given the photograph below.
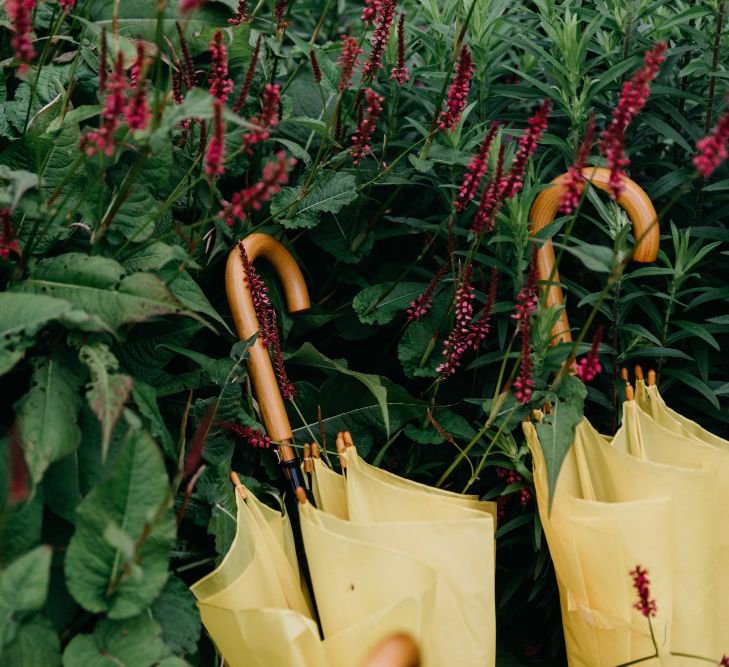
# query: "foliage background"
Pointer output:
{"type": "Point", "coordinates": [117, 347]}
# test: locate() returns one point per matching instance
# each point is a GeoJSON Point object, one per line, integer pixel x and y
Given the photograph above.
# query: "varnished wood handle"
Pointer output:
{"type": "Point", "coordinates": [637, 205]}
{"type": "Point", "coordinates": [396, 651]}
{"type": "Point", "coordinates": [240, 301]}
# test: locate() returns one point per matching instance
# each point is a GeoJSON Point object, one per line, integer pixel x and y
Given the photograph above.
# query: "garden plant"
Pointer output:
{"type": "Point", "coordinates": [395, 148]}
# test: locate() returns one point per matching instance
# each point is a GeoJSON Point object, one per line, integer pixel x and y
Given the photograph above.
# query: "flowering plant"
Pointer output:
{"type": "Point", "coordinates": [396, 148]}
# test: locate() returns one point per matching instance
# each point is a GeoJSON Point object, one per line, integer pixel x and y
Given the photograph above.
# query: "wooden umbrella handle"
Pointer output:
{"type": "Point", "coordinates": [637, 205]}
{"type": "Point", "coordinates": [260, 367]}
{"type": "Point", "coordinates": [396, 651]}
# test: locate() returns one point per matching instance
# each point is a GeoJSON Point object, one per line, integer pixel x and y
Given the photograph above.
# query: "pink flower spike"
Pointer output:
{"type": "Point", "coordinates": [476, 170]}
{"type": "Point", "coordinates": [455, 345]}
{"type": "Point", "coordinates": [381, 36]}
{"type": "Point", "coordinates": [8, 242]}
{"type": "Point", "coordinates": [575, 180]}
{"type": "Point", "coordinates": [275, 174]}
{"type": "Point", "coordinates": [424, 303]}
{"type": "Point", "coordinates": [458, 92]}
{"type": "Point", "coordinates": [279, 10]}
{"type": "Point", "coordinates": [632, 99]}
{"type": "Point", "coordinates": [348, 61]}
{"type": "Point", "coordinates": [220, 85]}
{"type": "Point", "coordinates": [20, 14]}
{"type": "Point", "coordinates": [254, 438]}
{"type": "Point", "coordinates": [267, 119]}
{"type": "Point", "coordinates": [215, 155]}
{"type": "Point", "coordinates": [371, 10]}
{"type": "Point", "coordinates": [588, 367]}
{"type": "Point", "coordinates": [67, 5]}
{"type": "Point", "coordinates": [712, 149]}
{"type": "Point", "coordinates": [366, 126]}
{"type": "Point", "coordinates": [492, 199]}
{"type": "Point", "coordinates": [400, 73]}
{"type": "Point", "coordinates": [528, 143]}
{"type": "Point", "coordinates": [478, 331]}
{"type": "Point", "coordinates": [248, 81]}
{"type": "Point", "coordinates": [137, 111]}
{"type": "Point", "coordinates": [315, 69]}
{"type": "Point", "coordinates": [526, 304]}
{"type": "Point", "coordinates": [241, 15]}
{"type": "Point", "coordinates": [641, 583]}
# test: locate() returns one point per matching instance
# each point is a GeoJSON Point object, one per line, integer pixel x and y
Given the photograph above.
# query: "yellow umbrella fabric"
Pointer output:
{"type": "Point", "coordinates": [612, 511]}
{"type": "Point", "coordinates": [451, 533]}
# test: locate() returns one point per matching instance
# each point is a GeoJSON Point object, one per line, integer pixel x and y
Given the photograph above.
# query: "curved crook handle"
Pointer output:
{"type": "Point", "coordinates": [240, 301]}
{"type": "Point", "coordinates": [637, 205]}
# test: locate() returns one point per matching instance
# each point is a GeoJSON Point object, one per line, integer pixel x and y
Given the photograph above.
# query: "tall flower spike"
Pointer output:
{"type": "Point", "coordinates": [67, 5]}
{"type": "Point", "coordinates": [478, 330]}
{"type": "Point", "coordinates": [103, 60]}
{"type": "Point", "coordinates": [526, 304]}
{"type": "Point", "coordinates": [279, 10]}
{"type": "Point", "coordinates": [348, 61]}
{"type": "Point", "coordinates": [400, 73]}
{"type": "Point", "coordinates": [19, 12]}
{"type": "Point", "coordinates": [189, 75]}
{"type": "Point", "coordinates": [641, 583]}
{"type": "Point", "coordinates": [241, 14]}
{"type": "Point", "coordinates": [424, 302]}
{"type": "Point", "coordinates": [215, 155]}
{"type": "Point", "coordinates": [588, 367]}
{"type": "Point", "coordinates": [381, 36]}
{"type": "Point", "coordinates": [575, 180]}
{"type": "Point", "coordinates": [250, 73]}
{"type": "Point", "coordinates": [137, 110]}
{"type": "Point", "coordinates": [476, 170]}
{"type": "Point", "coordinates": [288, 390]}
{"type": "Point", "coordinates": [253, 437]}
{"type": "Point", "coordinates": [632, 99]}
{"type": "Point", "coordinates": [492, 199]}
{"type": "Point", "coordinates": [8, 242]}
{"type": "Point", "coordinates": [315, 69]}
{"type": "Point", "coordinates": [458, 92]}
{"type": "Point", "coordinates": [371, 9]}
{"type": "Point", "coordinates": [220, 85]}
{"type": "Point", "coordinates": [455, 345]}
{"type": "Point", "coordinates": [366, 126]}
{"type": "Point", "coordinates": [275, 174]}
{"type": "Point", "coordinates": [265, 120]}
{"type": "Point", "coordinates": [712, 149]}
{"type": "Point", "coordinates": [527, 146]}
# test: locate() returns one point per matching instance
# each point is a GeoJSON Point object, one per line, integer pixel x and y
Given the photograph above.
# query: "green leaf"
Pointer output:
{"type": "Point", "coordinates": [47, 416]}
{"type": "Point", "coordinates": [695, 383]}
{"type": "Point", "coordinates": [330, 194]}
{"type": "Point", "coordinates": [107, 392]}
{"type": "Point", "coordinates": [130, 500]}
{"type": "Point", "coordinates": [308, 355]}
{"type": "Point", "coordinates": [594, 257]}
{"type": "Point", "coordinates": [175, 610]}
{"type": "Point", "coordinates": [386, 310]}
{"type": "Point", "coordinates": [145, 397]}
{"type": "Point", "coordinates": [99, 287]}
{"type": "Point", "coordinates": [36, 643]}
{"type": "Point", "coordinates": [23, 588]}
{"type": "Point", "coordinates": [135, 642]}
{"type": "Point", "coordinates": [556, 431]}
{"type": "Point", "coordinates": [422, 336]}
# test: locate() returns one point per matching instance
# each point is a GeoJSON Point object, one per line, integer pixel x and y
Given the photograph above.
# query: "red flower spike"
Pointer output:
{"type": "Point", "coordinates": [458, 92]}
{"type": "Point", "coordinates": [315, 69]}
{"type": "Point", "coordinates": [220, 85]}
{"type": "Point", "coordinates": [424, 302]}
{"type": "Point", "coordinates": [188, 76]}
{"type": "Point", "coordinates": [215, 155]}
{"type": "Point", "coordinates": [20, 14]}
{"type": "Point", "coordinates": [476, 170]}
{"type": "Point", "coordinates": [455, 345]}
{"type": "Point", "coordinates": [526, 304]}
{"type": "Point", "coordinates": [371, 10]}
{"type": "Point", "coordinates": [478, 331]}
{"type": "Point", "coordinates": [279, 10]}
{"type": "Point", "coordinates": [288, 390]}
{"type": "Point", "coordinates": [67, 5]}
{"type": "Point", "coordinates": [383, 21]}
{"type": "Point", "coordinates": [492, 199]}
{"type": "Point", "coordinates": [8, 242]}
{"type": "Point", "coordinates": [187, 6]}
{"type": "Point", "coordinates": [632, 99]}
{"type": "Point", "coordinates": [400, 73]}
{"type": "Point", "coordinates": [712, 149]}
{"type": "Point", "coordinates": [137, 111]}
{"type": "Point", "coordinates": [528, 143]}
{"type": "Point", "coordinates": [575, 180]}
{"type": "Point", "coordinates": [103, 60]}
{"type": "Point", "coordinates": [641, 583]}
{"type": "Point", "coordinates": [253, 437]}
{"type": "Point", "coordinates": [241, 15]}
{"type": "Point", "coordinates": [275, 174]}
{"type": "Point", "coordinates": [366, 126]}
{"type": "Point", "coordinates": [348, 61]}
{"type": "Point", "coordinates": [267, 119]}
{"type": "Point", "coordinates": [250, 73]}
{"type": "Point", "coordinates": [588, 367]}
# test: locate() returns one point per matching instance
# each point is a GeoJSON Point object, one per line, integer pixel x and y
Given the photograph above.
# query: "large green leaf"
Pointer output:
{"type": "Point", "coordinates": [399, 298]}
{"type": "Point", "coordinates": [36, 643]}
{"type": "Point", "coordinates": [176, 612]}
{"type": "Point", "coordinates": [100, 287]}
{"type": "Point", "coordinates": [556, 431]}
{"type": "Point", "coordinates": [135, 642]}
{"type": "Point", "coordinates": [47, 415]}
{"type": "Point", "coordinates": [117, 559]}
{"type": "Point", "coordinates": [107, 391]}
{"type": "Point", "coordinates": [23, 588]}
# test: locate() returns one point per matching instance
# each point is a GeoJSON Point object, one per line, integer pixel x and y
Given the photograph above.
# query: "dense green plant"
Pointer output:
{"type": "Point", "coordinates": [120, 365]}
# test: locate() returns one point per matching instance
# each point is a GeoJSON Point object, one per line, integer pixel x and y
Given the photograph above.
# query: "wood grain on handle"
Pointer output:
{"type": "Point", "coordinates": [396, 651]}
{"type": "Point", "coordinates": [259, 364]}
{"type": "Point", "coordinates": [637, 205]}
